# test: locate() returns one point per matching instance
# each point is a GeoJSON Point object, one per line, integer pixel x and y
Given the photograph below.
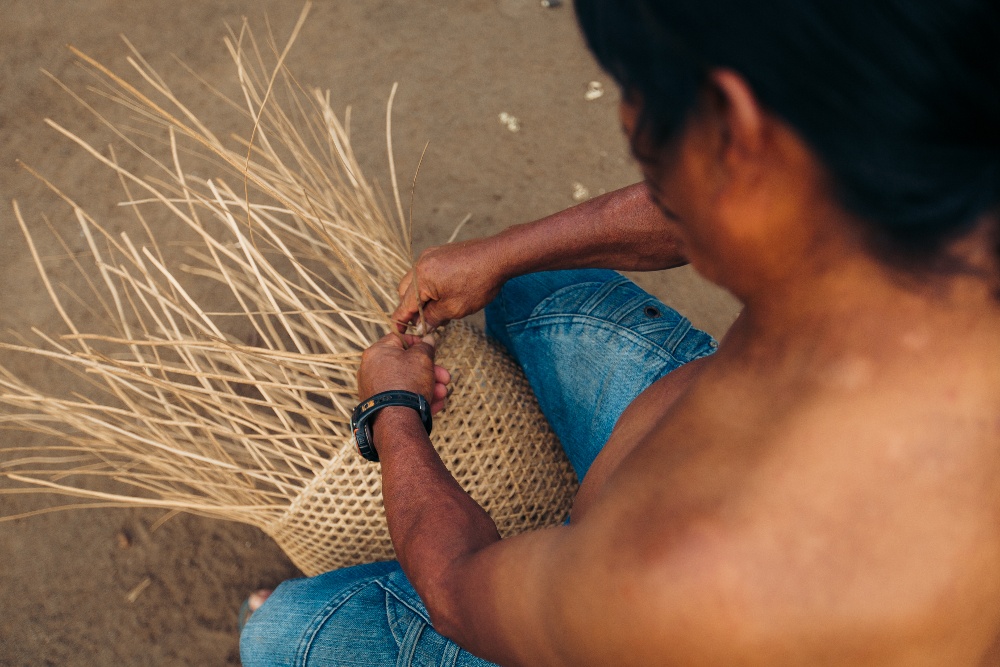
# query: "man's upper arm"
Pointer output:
{"type": "Point", "coordinates": [574, 596]}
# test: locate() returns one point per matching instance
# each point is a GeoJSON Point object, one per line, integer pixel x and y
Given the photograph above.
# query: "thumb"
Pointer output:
{"type": "Point", "coordinates": [391, 340]}
{"type": "Point", "coordinates": [424, 345]}
{"type": "Point", "coordinates": [435, 314]}
{"type": "Point", "coordinates": [404, 283]}
{"type": "Point", "coordinates": [408, 307]}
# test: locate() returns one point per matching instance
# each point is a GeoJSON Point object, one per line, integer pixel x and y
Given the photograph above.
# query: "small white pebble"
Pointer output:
{"type": "Point", "coordinates": [548, 4]}
{"type": "Point", "coordinates": [510, 121]}
{"type": "Point", "coordinates": [580, 192]}
{"type": "Point", "coordinates": [594, 90]}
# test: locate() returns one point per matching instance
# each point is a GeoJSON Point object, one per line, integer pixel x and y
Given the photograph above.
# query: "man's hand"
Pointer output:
{"type": "Point", "coordinates": [449, 282]}
{"type": "Point", "coordinates": [621, 230]}
{"type": "Point", "coordinates": [399, 361]}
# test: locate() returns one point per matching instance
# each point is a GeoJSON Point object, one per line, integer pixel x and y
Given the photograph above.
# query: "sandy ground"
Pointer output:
{"type": "Point", "coordinates": [66, 578]}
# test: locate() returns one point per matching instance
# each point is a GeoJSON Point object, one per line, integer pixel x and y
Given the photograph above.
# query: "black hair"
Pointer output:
{"type": "Point", "coordinates": [900, 99]}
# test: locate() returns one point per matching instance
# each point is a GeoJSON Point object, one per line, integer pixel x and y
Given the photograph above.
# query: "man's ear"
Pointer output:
{"type": "Point", "coordinates": [742, 121]}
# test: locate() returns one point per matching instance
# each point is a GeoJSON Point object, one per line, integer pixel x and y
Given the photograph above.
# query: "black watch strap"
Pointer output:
{"type": "Point", "coordinates": [364, 414]}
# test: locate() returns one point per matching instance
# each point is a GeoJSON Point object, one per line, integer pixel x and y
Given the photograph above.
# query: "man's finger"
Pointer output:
{"type": "Point", "coordinates": [409, 340]}
{"type": "Point", "coordinates": [442, 375]}
{"type": "Point", "coordinates": [409, 304]}
{"type": "Point", "coordinates": [435, 314]}
{"type": "Point", "coordinates": [424, 345]}
{"type": "Point", "coordinates": [392, 340]}
{"type": "Point", "coordinates": [440, 392]}
{"type": "Point", "coordinates": [404, 284]}
{"type": "Point", "coordinates": [403, 315]}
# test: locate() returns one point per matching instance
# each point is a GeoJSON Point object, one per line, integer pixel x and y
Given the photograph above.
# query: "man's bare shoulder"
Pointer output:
{"type": "Point", "coordinates": [857, 525]}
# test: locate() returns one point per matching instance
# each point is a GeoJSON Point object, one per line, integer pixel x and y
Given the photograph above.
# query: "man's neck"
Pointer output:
{"type": "Point", "coordinates": [859, 306]}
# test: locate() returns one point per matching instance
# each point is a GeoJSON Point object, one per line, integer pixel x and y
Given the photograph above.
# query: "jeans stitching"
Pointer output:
{"type": "Point", "coordinates": [705, 344]}
{"type": "Point", "coordinates": [450, 651]}
{"type": "Point", "coordinates": [320, 619]}
{"type": "Point", "coordinates": [596, 299]}
{"type": "Point", "coordinates": [588, 305]}
{"type": "Point", "coordinates": [539, 321]}
{"type": "Point", "coordinates": [628, 306]}
{"type": "Point", "coordinates": [449, 656]}
{"type": "Point", "coordinates": [403, 598]}
{"type": "Point", "coordinates": [395, 618]}
{"type": "Point", "coordinates": [409, 647]}
{"type": "Point", "coordinates": [677, 335]}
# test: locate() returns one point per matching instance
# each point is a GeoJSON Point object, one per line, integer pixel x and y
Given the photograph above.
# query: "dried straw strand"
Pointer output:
{"type": "Point", "coordinates": [242, 412]}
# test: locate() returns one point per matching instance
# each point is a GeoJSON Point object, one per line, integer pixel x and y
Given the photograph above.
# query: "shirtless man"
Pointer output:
{"type": "Point", "coordinates": [825, 487]}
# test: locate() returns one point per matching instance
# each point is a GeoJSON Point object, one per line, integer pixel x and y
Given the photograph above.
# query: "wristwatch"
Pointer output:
{"type": "Point", "coordinates": [364, 414]}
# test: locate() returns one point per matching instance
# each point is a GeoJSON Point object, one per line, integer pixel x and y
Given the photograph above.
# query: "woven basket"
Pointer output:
{"type": "Point", "coordinates": [244, 415]}
{"type": "Point", "coordinates": [493, 439]}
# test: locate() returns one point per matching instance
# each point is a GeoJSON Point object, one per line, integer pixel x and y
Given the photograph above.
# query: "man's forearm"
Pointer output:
{"type": "Point", "coordinates": [433, 522]}
{"type": "Point", "coordinates": [619, 230]}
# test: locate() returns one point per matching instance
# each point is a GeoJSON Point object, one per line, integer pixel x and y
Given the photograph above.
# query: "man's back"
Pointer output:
{"type": "Point", "coordinates": [834, 491]}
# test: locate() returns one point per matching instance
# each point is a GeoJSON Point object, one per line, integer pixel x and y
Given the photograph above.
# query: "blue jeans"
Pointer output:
{"type": "Point", "coordinates": [589, 341]}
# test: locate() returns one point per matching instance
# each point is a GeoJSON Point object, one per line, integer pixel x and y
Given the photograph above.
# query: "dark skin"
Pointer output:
{"type": "Point", "coordinates": [822, 490]}
{"type": "Point", "coordinates": [461, 278]}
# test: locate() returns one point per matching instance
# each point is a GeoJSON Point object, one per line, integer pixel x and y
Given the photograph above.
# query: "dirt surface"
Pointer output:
{"type": "Point", "coordinates": [121, 587]}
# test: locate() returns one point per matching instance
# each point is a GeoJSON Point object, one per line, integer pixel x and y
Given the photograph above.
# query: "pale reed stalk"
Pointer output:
{"type": "Point", "coordinates": [243, 414]}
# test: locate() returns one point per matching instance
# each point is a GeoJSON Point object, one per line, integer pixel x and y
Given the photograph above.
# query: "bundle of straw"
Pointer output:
{"type": "Point", "coordinates": [243, 413]}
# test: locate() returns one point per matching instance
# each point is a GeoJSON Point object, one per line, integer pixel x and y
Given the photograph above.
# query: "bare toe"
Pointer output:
{"type": "Point", "coordinates": [257, 598]}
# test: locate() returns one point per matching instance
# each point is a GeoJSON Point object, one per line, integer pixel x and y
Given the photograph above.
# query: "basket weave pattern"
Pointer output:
{"type": "Point", "coordinates": [494, 440]}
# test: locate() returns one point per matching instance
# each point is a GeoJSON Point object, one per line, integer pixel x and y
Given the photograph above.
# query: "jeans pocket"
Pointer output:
{"type": "Point", "coordinates": [419, 644]}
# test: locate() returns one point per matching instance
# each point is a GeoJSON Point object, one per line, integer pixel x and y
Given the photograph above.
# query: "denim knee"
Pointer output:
{"type": "Point", "coordinates": [356, 617]}
{"type": "Point", "coordinates": [519, 297]}
{"type": "Point", "coordinates": [268, 638]}
{"type": "Point", "coordinates": [283, 632]}
{"type": "Point", "coordinates": [589, 342]}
